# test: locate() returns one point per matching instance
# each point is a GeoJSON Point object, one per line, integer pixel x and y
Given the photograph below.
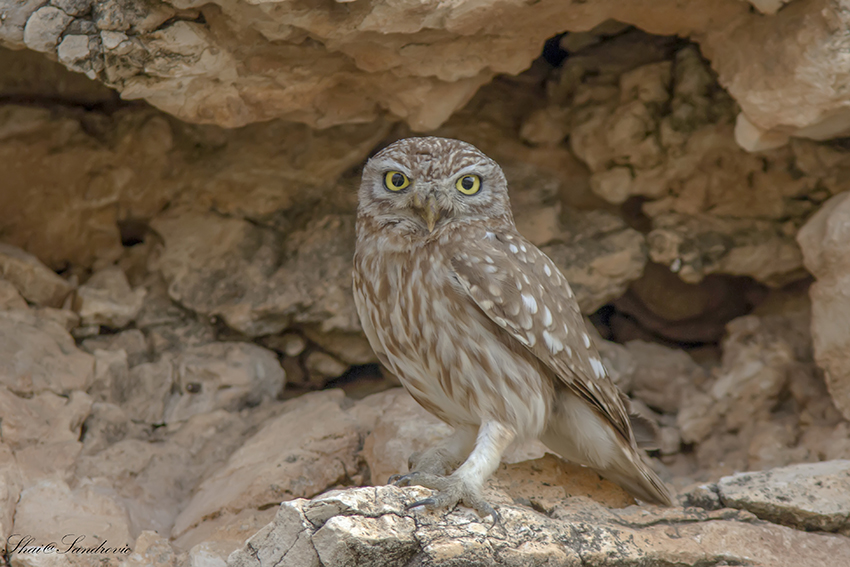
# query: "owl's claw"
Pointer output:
{"type": "Point", "coordinates": [449, 491]}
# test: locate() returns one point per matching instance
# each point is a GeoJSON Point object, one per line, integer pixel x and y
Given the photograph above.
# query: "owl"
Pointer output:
{"type": "Point", "coordinates": [481, 327]}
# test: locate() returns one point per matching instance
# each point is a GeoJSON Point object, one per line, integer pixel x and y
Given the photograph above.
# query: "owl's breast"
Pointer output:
{"type": "Point", "coordinates": [450, 356]}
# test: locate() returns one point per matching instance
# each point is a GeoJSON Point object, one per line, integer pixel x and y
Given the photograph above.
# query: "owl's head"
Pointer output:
{"type": "Point", "coordinates": [420, 185]}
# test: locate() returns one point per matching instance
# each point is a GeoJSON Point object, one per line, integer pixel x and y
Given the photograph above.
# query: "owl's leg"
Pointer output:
{"type": "Point", "coordinates": [447, 455]}
{"type": "Point", "coordinates": [464, 485]}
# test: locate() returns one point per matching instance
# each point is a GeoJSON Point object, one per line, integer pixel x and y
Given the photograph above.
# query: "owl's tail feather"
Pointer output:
{"type": "Point", "coordinates": [640, 480]}
{"type": "Point", "coordinates": [581, 435]}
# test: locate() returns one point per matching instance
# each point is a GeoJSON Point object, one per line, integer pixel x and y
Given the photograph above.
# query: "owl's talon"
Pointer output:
{"type": "Point", "coordinates": [396, 479]}
{"type": "Point", "coordinates": [427, 503]}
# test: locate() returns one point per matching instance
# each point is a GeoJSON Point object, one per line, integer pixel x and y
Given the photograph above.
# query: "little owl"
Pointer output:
{"type": "Point", "coordinates": [481, 327]}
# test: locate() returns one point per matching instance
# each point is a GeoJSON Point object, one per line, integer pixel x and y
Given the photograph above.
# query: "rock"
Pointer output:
{"type": "Point", "coordinates": [350, 348]}
{"type": "Point", "coordinates": [599, 256]}
{"type": "Point", "coordinates": [38, 356]}
{"type": "Point", "coordinates": [65, 318]}
{"type": "Point", "coordinates": [33, 280]}
{"type": "Point", "coordinates": [10, 299]}
{"type": "Point", "coordinates": [44, 28]}
{"type": "Point", "coordinates": [662, 375]}
{"type": "Point", "coordinates": [240, 277]}
{"type": "Point", "coordinates": [107, 299]}
{"type": "Point", "coordinates": [282, 461]}
{"type": "Point", "coordinates": [322, 367]}
{"type": "Point", "coordinates": [51, 507]}
{"type": "Point", "coordinates": [824, 240]}
{"type": "Point", "coordinates": [754, 371]}
{"type": "Point", "coordinates": [145, 393]}
{"type": "Point", "coordinates": [809, 496]}
{"type": "Point", "coordinates": [229, 376]}
{"type": "Point", "coordinates": [151, 550]}
{"type": "Point", "coordinates": [153, 475]}
{"type": "Point", "coordinates": [10, 490]}
{"type": "Point", "coordinates": [221, 536]}
{"type": "Point", "coordinates": [290, 344]}
{"type": "Point", "coordinates": [341, 525]}
{"type": "Point", "coordinates": [131, 341]}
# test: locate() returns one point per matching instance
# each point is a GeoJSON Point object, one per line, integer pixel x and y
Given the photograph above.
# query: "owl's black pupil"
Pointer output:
{"type": "Point", "coordinates": [397, 180]}
{"type": "Point", "coordinates": [467, 183]}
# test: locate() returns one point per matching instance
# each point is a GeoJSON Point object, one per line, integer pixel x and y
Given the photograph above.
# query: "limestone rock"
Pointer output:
{"type": "Point", "coordinates": [322, 367]}
{"type": "Point", "coordinates": [38, 356]}
{"type": "Point", "coordinates": [824, 240]}
{"type": "Point", "coordinates": [33, 280]}
{"type": "Point", "coordinates": [10, 490]}
{"type": "Point", "coordinates": [153, 475]}
{"type": "Point", "coordinates": [107, 299]}
{"type": "Point", "coordinates": [662, 375]}
{"type": "Point", "coordinates": [10, 298]}
{"type": "Point", "coordinates": [131, 341]}
{"type": "Point", "coordinates": [599, 256]}
{"type": "Point", "coordinates": [256, 281]}
{"type": "Point", "coordinates": [229, 376]}
{"type": "Point", "coordinates": [51, 507]}
{"type": "Point", "coordinates": [351, 348]}
{"type": "Point", "coordinates": [44, 28]}
{"type": "Point", "coordinates": [809, 496]}
{"type": "Point", "coordinates": [283, 460]}
{"type": "Point", "coordinates": [336, 527]}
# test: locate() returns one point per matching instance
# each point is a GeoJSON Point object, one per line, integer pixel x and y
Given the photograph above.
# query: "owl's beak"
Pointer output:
{"type": "Point", "coordinates": [429, 211]}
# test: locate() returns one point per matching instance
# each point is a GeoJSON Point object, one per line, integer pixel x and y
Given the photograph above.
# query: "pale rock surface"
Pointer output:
{"type": "Point", "coordinates": [34, 281]}
{"type": "Point", "coordinates": [350, 348]}
{"type": "Point", "coordinates": [825, 240]}
{"type": "Point", "coordinates": [107, 299]}
{"type": "Point", "coordinates": [372, 525]}
{"type": "Point", "coordinates": [255, 279]}
{"type": "Point", "coordinates": [10, 489]}
{"type": "Point", "coordinates": [10, 299]}
{"type": "Point", "coordinates": [50, 509]}
{"type": "Point", "coordinates": [37, 355]}
{"type": "Point", "coordinates": [294, 455]}
{"type": "Point", "coordinates": [421, 67]}
{"type": "Point", "coordinates": [132, 342]}
{"type": "Point", "coordinates": [228, 376]}
{"type": "Point", "coordinates": [808, 496]}
{"type": "Point", "coordinates": [662, 375]}
{"type": "Point", "coordinates": [599, 255]}
{"type": "Point", "coordinates": [152, 474]}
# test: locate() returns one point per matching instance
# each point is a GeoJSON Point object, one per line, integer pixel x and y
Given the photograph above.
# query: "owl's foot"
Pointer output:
{"type": "Point", "coordinates": [449, 491]}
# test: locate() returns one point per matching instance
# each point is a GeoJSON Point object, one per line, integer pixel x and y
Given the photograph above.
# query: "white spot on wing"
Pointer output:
{"type": "Point", "coordinates": [586, 340]}
{"type": "Point", "coordinates": [547, 316]}
{"type": "Point", "coordinates": [522, 247]}
{"type": "Point", "coordinates": [598, 367]}
{"type": "Point", "coordinates": [530, 303]}
{"type": "Point", "coordinates": [489, 235]}
{"type": "Point", "coordinates": [552, 343]}
{"type": "Point", "coordinates": [488, 259]}
{"type": "Point", "coordinates": [514, 249]}
{"type": "Point", "coordinates": [546, 270]}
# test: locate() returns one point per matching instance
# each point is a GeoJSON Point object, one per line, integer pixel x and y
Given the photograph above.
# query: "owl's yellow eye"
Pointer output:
{"type": "Point", "coordinates": [395, 180]}
{"type": "Point", "coordinates": [468, 184]}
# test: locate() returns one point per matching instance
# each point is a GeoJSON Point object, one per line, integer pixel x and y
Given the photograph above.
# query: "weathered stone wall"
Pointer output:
{"type": "Point", "coordinates": [173, 290]}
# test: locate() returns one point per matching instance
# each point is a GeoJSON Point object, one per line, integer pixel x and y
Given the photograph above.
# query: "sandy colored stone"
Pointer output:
{"type": "Point", "coordinates": [341, 524]}
{"type": "Point", "coordinates": [131, 341]}
{"type": "Point", "coordinates": [33, 280]}
{"type": "Point", "coordinates": [291, 456]}
{"type": "Point", "coordinates": [51, 509]}
{"type": "Point", "coordinates": [662, 375]}
{"type": "Point", "coordinates": [44, 28]}
{"type": "Point", "coordinates": [229, 376]}
{"type": "Point", "coordinates": [38, 356]}
{"type": "Point", "coordinates": [232, 268]}
{"type": "Point", "coordinates": [599, 256]}
{"type": "Point", "coordinates": [809, 496]}
{"type": "Point", "coordinates": [10, 299]}
{"type": "Point", "coordinates": [107, 299]}
{"type": "Point", "coordinates": [10, 489]}
{"type": "Point", "coordinates": [824, 240]}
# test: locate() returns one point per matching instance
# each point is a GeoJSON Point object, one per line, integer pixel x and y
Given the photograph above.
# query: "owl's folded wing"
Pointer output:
{"type": "Point", "coordinates": [520, 289]}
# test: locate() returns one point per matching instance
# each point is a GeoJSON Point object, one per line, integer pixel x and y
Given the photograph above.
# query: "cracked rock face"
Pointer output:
{"type": "Point", "coordinates": [234, 62]}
